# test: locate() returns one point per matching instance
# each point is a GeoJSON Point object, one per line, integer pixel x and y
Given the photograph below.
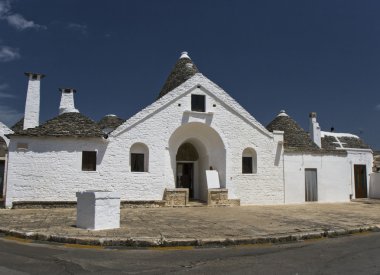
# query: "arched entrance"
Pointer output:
{"type": "Point", "coordinates": [194, 148]}
{"type": "Point", "coordinates": [3, 151]}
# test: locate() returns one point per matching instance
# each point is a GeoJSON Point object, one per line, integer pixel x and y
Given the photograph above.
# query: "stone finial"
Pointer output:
{"type": "Point", "coordinates": [282, 113]}
{"type": "Point", "coordinates": [184, 55]}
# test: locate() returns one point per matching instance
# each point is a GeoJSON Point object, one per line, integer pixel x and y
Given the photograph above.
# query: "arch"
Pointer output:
{"type": "Point", "coordinates": [139, 157]}
{"type": "Point", "coordinates": [187, 152]}
{"type": "Point", "coordinates": [204, 141]}
{"type": "Point", "coordinates": [249, 161]}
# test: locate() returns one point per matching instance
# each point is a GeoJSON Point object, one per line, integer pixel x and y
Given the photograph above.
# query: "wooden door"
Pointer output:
{"type": "Point", "coordinates": [311, 185]}
{"type": "Point", "coordinates": [360, 174]}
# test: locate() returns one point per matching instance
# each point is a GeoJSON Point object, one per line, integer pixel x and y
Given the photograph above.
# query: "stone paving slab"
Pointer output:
{"type": "Point", "coordinates": [199, 225]}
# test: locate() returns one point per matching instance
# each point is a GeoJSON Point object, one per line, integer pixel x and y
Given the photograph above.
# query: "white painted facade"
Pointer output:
{"type": "Point", "coordinates": [50, 168]}
{"type": "Point", "coordinates": [374, 188]}
{"type": "Point", "coordinates": [220, 135]}
{"type": "Point", "coordinates": [335, 174]}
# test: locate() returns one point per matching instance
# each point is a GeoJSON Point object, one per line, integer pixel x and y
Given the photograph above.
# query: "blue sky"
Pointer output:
{"type": "Point", "coordinates": [301, 56]}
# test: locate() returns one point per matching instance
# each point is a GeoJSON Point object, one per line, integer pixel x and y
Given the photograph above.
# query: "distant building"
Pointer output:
{"type": "Point", "coordinates": [193, 126]}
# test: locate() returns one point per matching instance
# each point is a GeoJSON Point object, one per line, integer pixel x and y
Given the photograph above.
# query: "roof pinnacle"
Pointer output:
{"type": "Point", "coordinates": [184, 55]}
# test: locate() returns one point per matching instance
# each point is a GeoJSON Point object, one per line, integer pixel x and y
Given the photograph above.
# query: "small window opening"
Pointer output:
{"type": "Point", "coordinates": [137, 162]}
{"type": "Point", "coordinates": [249, 161]}
{"type": "Point", "coordinates": [198, 103]}
{"type": "Point", "coordinates": [34, 77]}
{"type": "Point", "coordinates": [247, 165]}
{"type": "Point", "coordinates": [89, 161]}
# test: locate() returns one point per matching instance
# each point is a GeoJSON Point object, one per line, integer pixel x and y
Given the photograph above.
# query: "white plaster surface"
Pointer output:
{"type": "Point", "coordinates": [374, 187]}
{"type": "Point", "coordinates": [335, 175]}
{"type": "Point", "coordinates": [4, 130]}
{"type": "Point", "coordinates": [98, 210]}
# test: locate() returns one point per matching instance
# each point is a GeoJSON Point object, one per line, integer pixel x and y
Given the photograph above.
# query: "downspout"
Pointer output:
{"type": "Point", "coordinates": [5, 177]}
{"type": "Point", "coordinates": [283, 174]}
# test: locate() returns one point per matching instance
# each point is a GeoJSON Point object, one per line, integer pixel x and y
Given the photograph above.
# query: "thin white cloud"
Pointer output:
{"type": "Point", "coordinates": [8, 115]}
{"type": "Point", "coordinates": [8, 54]}
{"type": "Point", "coordinates": [3, 93]}
{"type": "Point", "coordinates": [4, 87]}
{"type": "Point", "coordinates": [77, 27]}
{"type": "Point", "coordinates": [17, 20]}
{"type": "Point", "coordinates": [377, 107]}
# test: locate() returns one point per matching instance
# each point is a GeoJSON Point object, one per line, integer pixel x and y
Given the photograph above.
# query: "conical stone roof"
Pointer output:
{"type": "Point", "coordinates": [295, 138]}
{"type": "Point", "coordinates": [65, 125]}
{"type": "Point", "coordinates": [182, 71]}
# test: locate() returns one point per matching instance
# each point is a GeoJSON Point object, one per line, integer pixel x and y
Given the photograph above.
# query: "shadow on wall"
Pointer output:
{"type": "Point", "coordinates": [50, 145]}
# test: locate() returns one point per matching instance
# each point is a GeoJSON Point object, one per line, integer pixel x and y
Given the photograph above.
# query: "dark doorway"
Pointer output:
{"type": "Point", "coordinates": [360, 174]}
{"type": "Point", "coordinates": [185, 177]}
{"type": "Point", "coordinates": [311, 185]}
{"type": "Point", "coordinates": [2, 169]}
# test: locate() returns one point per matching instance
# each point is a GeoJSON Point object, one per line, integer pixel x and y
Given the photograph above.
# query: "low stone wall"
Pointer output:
{"type": "Point", "coordinates": [142, 204]}
{"type": "Point", "coordinates": [216, 196]}
{"type": "Point", "coordinates": [176, 197]}
{"type": "Point", "coordinates": [73, 204]}
{"type": "Point", "coordinates": [43, 204]}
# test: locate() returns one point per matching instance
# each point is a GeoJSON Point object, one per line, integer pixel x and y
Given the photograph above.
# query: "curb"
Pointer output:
{"type": "Point", "coordinates": [206, 242]}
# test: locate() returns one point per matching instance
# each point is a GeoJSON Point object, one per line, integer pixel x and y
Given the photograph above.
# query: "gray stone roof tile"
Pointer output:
{"type": "Point", "coordinates": [182, 71]}
{"type": "Point", "coordinates": [65, 125]}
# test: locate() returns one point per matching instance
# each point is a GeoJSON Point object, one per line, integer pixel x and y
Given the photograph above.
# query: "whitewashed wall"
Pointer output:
{"type": "Point", "coordinates": [4, 130]}
{"type": "Point", "coordinates": [333, 177]}
{"type": "Point", "coordinates": [361, 157]}
{"type": "Point", "coordinates": [51, 168]}
{"type": "Point", "coordinates": [374, 187]}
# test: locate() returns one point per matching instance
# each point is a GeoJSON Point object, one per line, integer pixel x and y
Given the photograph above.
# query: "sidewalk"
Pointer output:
{"type": "Point", "coordinates": [198, 225]}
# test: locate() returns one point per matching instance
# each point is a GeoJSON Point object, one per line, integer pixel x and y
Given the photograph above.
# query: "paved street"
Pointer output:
{"type": "Point", "coordinates": [199, 223]}
{"type": "Point", "coordinates": [357, 254]}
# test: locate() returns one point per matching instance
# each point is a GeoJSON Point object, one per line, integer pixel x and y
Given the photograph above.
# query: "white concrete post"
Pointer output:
{"type": "Point", "coordinates": [97, 210]}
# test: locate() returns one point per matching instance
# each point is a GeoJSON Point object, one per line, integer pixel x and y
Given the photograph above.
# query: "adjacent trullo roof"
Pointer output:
{"type": "Point", "coordinates": [334, 141]}
{"type": "Point", "coordinates": [109, 123]}
{"type": "Point", "coordinates": [65, 125]}
{"type": "Point", "coordinates": [295, 138]}
{"type": "Point", "coordinates": [182, 71]}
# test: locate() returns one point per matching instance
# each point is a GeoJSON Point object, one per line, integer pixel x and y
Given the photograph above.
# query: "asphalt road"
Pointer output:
{"type": "Point", "coordinates": [357, 254]}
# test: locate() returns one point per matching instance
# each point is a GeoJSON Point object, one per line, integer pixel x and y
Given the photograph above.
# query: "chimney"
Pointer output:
{"type": "Point", "coordinates": [314, 129]}
{"type": "Point", "coordinates": [67, 101]}
{"type": "Point", "coordinates": [32, 104]}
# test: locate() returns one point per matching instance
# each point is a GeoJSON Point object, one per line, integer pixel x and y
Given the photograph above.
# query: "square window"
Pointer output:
{"type": "Point", "coordinates": [247, 165]}
{"type": "Point", "coordinates": [137, 162]}
{"type": "Point", "coordinates": [198, 103]}
{"type": "Point", "coordinates": [89, 161]}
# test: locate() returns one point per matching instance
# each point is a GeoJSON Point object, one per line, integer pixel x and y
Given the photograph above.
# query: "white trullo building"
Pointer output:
{"type": "Point", "coordinates": [162, 153]}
